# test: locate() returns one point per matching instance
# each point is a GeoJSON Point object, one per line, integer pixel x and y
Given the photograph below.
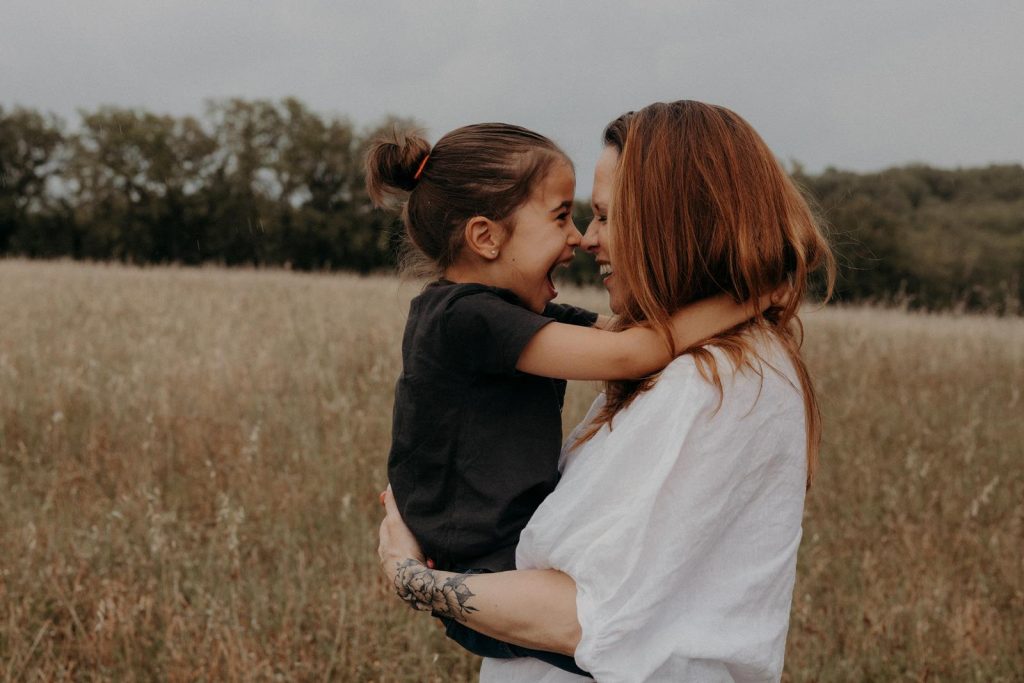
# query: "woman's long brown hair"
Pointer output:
{"type": "Point", "coordinates": [701, 206]}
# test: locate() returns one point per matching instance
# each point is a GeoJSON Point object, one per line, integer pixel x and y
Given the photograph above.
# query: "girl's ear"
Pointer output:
{"type": "Point", "coordinates": [484, 237]}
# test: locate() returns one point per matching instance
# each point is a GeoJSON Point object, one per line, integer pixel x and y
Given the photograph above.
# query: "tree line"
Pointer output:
{"type": "Point", "coordinates": [272, 183]}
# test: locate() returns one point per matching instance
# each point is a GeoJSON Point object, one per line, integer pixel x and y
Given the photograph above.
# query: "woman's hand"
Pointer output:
{"type": "Point", "coordinates": [397, 544]}
{"type": "Point", "coordinates": [533, 608]}
{"type": "Point", "coordinates": [443, 594]}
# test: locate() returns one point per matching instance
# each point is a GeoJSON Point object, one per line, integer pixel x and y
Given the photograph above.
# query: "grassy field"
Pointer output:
{"type": "Point", "coordinates": [189, 464]}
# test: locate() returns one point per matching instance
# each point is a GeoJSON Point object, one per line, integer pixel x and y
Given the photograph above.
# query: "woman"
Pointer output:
{"type": "Point", "coordinates": [668, 549]}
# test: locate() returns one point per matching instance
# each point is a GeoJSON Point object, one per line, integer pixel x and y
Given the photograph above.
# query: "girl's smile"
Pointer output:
{"type": "Point", "coordinates": [543, 237]}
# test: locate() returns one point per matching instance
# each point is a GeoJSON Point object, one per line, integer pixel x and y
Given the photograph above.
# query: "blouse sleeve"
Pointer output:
{"type": "Point", "coordinates": [683, 545]}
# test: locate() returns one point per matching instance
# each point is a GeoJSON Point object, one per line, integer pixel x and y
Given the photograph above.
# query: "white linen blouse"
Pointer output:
{"type": "Point", "coordinates": [680, 526]}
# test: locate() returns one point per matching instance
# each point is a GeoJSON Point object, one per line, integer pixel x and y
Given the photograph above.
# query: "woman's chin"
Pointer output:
{"type": "Point", "coordinates": [613, 300]}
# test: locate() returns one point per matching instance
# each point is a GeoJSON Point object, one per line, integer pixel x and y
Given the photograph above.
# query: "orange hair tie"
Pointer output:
{"type": "Point", "coordinates": [419, 171]}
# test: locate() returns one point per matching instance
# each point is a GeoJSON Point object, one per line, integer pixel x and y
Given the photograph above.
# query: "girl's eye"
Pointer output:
{"type": "Point", "coordinates": [563, 216]}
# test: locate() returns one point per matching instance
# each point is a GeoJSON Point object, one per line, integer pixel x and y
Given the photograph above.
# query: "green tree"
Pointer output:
{"type": "Point", "coordinates": [31, 158]}
{"type": "Point", "coordinates": [136, 177]}
{"type": "Point", "coordinates": [238, 197]}
{"type": "Point", "coordinates": [315, 169]}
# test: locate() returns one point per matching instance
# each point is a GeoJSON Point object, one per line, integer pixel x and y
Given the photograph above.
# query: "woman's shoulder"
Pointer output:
{"type": "Point", "coordinates": [686, 404]}
{"type": "Point", "coordinates": [764, 351]}
{"type": "Point", "coordinates": [765, 371]}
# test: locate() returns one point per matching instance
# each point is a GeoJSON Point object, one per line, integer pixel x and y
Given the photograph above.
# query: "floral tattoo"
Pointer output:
{"type": "Point", "coordinates": [419, 586]}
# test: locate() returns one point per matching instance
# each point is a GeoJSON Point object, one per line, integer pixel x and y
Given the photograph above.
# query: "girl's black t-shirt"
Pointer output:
{"type": "Point", "coordinates": [475, 442]}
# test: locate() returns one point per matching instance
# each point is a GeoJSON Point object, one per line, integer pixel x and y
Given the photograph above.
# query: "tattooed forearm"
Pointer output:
{"type": "Point", "coordinates": [426, 591]}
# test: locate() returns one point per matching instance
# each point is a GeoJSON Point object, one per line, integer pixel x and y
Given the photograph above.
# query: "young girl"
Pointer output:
{"type": "Point", "coordinates": [477, 415]}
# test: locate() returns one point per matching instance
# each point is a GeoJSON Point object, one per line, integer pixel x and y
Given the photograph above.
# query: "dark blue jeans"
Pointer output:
{"type": "Point", "coordinates": [485, 646]}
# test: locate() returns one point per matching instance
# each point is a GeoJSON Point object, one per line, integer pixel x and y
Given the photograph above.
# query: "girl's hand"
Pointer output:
{"type": "Point", "coordinates": [781, 296]}
{"type": "Point", "coordinates": [397, 544]}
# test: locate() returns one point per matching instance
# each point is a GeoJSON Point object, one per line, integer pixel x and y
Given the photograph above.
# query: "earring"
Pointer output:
{"type": "Point", "coordinates": [494, 252]}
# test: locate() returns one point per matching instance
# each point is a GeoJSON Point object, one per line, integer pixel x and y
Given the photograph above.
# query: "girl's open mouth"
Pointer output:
{"type": "Point", "coordinates": [551, 276]}
{"type": "Point", "coordinates": [553, 291]}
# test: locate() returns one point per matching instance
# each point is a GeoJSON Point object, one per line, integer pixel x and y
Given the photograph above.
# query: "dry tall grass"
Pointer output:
{"type": "Point", "coordinates": [189, 462]}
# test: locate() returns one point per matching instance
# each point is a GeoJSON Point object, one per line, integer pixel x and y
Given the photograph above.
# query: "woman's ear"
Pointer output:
{"type": "Point", "coordinates": [484, 237]}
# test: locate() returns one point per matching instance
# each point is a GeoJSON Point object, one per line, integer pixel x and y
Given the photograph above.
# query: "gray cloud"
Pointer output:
{"type": "Point", "coordinates": [856, 85]}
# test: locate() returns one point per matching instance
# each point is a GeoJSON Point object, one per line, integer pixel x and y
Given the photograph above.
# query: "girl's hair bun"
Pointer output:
{"type": "Point", "coordinates": [392, 162]}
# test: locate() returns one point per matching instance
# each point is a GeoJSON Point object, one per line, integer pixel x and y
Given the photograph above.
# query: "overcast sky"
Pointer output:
{"type": "Point", "coordinates": [855, 84]}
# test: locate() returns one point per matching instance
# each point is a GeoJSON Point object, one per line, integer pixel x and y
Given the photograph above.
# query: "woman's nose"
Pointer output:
{"type": "Point", "coordinates": [591, 240]}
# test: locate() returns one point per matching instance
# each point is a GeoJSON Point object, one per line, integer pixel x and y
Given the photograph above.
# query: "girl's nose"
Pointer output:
{"type": "Point", "coordinates": [575, 238]}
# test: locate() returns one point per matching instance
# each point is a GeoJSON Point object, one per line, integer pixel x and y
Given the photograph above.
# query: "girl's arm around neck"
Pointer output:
{"type": "Point", "coordinates": [572, 352]}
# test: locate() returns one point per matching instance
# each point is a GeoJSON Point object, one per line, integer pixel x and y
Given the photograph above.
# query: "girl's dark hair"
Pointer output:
{"type": "Point", "coordinates": [486, 169]}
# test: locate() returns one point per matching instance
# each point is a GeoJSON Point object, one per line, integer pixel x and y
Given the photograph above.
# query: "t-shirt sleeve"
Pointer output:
{"type": "Point", "coordinates": [486, 333]}
{"type": "Point", "coordinates": [570, 315]}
